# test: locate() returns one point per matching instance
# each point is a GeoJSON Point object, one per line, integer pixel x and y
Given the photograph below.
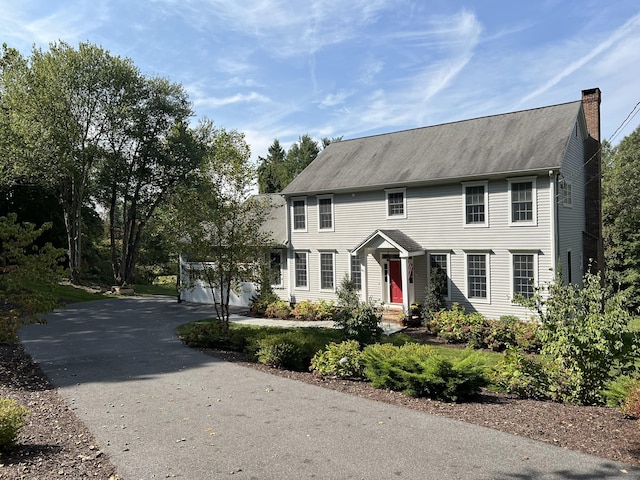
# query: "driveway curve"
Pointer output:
{"type": "Point", "coordinates": [160, 410]}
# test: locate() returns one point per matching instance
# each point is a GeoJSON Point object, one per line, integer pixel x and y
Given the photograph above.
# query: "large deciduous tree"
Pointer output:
{"type": "Point", "coordinates": [58, 106]}
{"type": "Point", "coordinates": [621, 216]}
{"type": "Point", "coordinates": [150, 152]}
{"type": "Point", "coordinates": [216, 222]}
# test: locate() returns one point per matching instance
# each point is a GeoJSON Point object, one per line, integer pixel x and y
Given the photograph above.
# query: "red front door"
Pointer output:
{"type": "Point", "coordinates": [395, 281]}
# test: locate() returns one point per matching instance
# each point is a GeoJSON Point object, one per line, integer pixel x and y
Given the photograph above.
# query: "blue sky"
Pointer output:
{"type": "Point", "coordinates": [280, 69]}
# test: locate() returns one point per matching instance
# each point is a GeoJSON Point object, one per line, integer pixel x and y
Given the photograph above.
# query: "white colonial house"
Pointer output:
{"type": "Point", "coordinates": [498, 203]}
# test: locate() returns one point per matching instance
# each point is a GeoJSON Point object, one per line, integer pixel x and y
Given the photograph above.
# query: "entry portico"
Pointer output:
{"type": "Point", "coordinates": [394, 251]}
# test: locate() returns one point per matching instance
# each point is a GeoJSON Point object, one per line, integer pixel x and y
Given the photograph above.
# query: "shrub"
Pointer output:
{"type": "Point", "coordinates": [211, 334]}
{"type": "Point", "coordinates": [340, 360]}
{"type": "Point", "coordinates": [434, 293]}
{"type": "Point", "coordinates": [417, 370]}
{"type": "Point", "coordinates": [631, 404]}
{"type": "Point", "coordinates": [12, 419]}
{"type": "Point", "coordinates": [584, 331]}
{"type": "Point", "coordinates": [522, 375]}
{"type": "Point", "coordinates": [347, 294]}
{"type": "Point", "coordinates": [457, 326]}
{"type": "Point", "coordinates": [304, 310]}
{"type": "Point", "coordinates": [325, 310]}
{"type": "Point", "coordinates": [279, 309]}
{"type": "Point", "coordinates": [284, 350]}
{"type": "Point", "coordinates": [361, 324]}
{"type": "Point", "coordinates": [618, 389]}
{"type": "Point", "coordinates": [260, 302]}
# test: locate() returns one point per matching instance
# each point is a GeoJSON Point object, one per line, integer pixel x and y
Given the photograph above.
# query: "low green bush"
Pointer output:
{"type": "Point", "coordinates": [617, 390]}
{"type": "Point", "coordinates": [284, 350]}
{"type": "Point", "coordinates": [12, 419]}
{"type": "Point", "coordinates": [259, 303]}
{"type": "Point", "coordinates": [417, 370]}
{"type": "Point", "coordinates": [340, 360]}
{"type": "Point", "coordinates": [211, 334]}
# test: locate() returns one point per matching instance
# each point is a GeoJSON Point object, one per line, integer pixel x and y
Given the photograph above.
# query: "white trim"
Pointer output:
{"type": "Point", "coordinates": [333, 270]}
{"type": "Point", "coordinates": [404, 203]}
{"type": "Point", "coordinates": [465, 185]}
{"type": "Point", "coordinates": [295, 269]}
{"type": "Point", "coordinates": [534, 203]}
{"type": "Point", "coordinates": [306, 214]}
{"type": "Point", "coordinates": [532, 252]}
{"type": "Point", "coordinates": [333, 215]}
{"type": "Point", "coordinates": [447, 255]}
{"type": "Point", "coordinates": [487, 256]}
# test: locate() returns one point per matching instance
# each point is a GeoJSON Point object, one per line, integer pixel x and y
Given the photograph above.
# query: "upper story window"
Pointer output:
{"type": "Point", "coordinates": [566, 194]}
{"type": "Point", "coordinates": [396, 203]}
{"type": "Point", "coordinates": [325, 213]}
{"type": "Point", "coordinates": [476, 210]}
{"type": "Point", "coordinates": [522, 201]}
{"type": "Point", "coordinates": [299, 207]}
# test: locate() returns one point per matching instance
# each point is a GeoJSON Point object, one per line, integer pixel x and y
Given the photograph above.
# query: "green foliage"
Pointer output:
{"type": "Point", "coordinates": [618, 389]}
{"type": "Point", "coordinates": [12, 419]}
{"type": "Point", "coordinates": [23, 264]}
{"type": "Point", "coordinates": [457, 326]}
{"type": "Point", "coordinates": [265, 295]}
{"type": "Point", "coordinates": [361, 324]}
{"type": "Point", "coordinates": [434, 293]}
{"type": "Point", "coordinates": [286, 350]}
{"type": "Point", "coordinates": [523, 375]}
{"type": "Point", "coordinates": [621, 217]}
{"type": "Point", "coordinates": [340, 360]}
{"type": "Point", "coordinates": [347, 294]}
{"type": "Point", "coordinates": [585, 336]}
{"type": "Point", "coordinates": [314, 311]}
{"type": "Point", "coordinates": [211, 334]}
{"type": "Point", "coordinates": [418, 371]}
{"type": "Point", "coordinates": [278, 309]}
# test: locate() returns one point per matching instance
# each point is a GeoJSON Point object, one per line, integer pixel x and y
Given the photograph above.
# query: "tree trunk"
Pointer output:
{"type": "Point", "coordinates": [71, 200]}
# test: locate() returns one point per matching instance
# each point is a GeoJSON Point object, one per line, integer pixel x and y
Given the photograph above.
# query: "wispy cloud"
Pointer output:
{"type": "Point", "coordinates": [592, 52]}
{"type": "Point", "coordinates": [252, 97]}
{"type": "Point", "coordinates": [334, 99]}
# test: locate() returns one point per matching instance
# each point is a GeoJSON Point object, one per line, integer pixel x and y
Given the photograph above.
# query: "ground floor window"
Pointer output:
{"type": "Point", "coordinates": [301, 270]}
{"type": "Point", "coordinates": [356, 272]}
{"type": "Point", "coordinates": [523, 274]}
{"type": "Point", "coordinates": [477, 276]}
{"type": "Point", "coordinates": [275, 268]}
{"type": "Point", "coordinates": [327, 281]}
{"type": "Point", "coordinates": [440, 261]}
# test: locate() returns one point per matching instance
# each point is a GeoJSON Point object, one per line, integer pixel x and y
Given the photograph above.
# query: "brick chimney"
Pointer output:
{"type": "Point", "coordinates": [592, 237]}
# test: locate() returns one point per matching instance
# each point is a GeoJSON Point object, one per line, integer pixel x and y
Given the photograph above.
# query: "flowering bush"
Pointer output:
{"type": "Point", "coordinates": [278, 309]}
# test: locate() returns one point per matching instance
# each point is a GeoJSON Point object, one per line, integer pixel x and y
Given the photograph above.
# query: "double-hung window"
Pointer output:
{"type": "Point", "coordinates": [275, 268]}
{"type": "Point", "coordinates": [523, 273]}
{"type": "Point", "coordinates": [327, 276]}
{"type": "Point", "coordinates": [299, 213]}
{"type": "Point", "coordinates": [397, 203]}
{"type": "Point", "coordinates": [356, 272]}
{"type": "Point", "coordinates": [439, 265]}
{"type": "Point", "coordinates": [325, 213]}
{"type": "Point", "coordinates": [476, 209]}
{"type": "Point", "coordinates": [522, 201]}
{"type": "Point", "coordinates": [478, 276]}
{"type": "Point", "coordinates": [301, 270]}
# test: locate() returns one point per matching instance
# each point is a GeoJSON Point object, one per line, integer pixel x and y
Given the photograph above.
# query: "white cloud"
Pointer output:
{"type": "Point", "coordinates": [252, 97]}
{"type": "Point", "coordinates": [334, 99]}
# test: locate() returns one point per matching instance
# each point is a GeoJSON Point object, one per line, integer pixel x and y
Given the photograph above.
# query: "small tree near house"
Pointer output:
{"type": "Point", "coordinates": [217, 223]}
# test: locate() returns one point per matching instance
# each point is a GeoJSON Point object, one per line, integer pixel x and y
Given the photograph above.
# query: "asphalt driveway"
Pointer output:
{"type": "Point", "coordinates": [161, 410]}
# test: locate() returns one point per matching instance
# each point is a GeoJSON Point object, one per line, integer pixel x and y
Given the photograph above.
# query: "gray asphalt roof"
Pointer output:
{"type": "Point", "coordinates": [402, 240]}
{"type": "Point", "coordinates": [524, 141]}
{"type": "Point", "coordinates": [276, 224]}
